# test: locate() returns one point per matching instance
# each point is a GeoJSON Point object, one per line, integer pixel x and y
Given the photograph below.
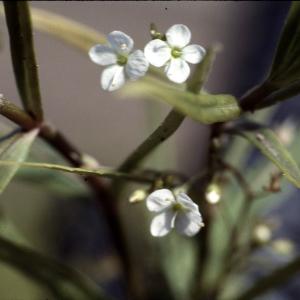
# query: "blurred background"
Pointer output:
{"type": "Point", "coordinates": [61, 220]}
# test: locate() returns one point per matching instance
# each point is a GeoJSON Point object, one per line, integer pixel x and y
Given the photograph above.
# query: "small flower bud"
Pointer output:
{"type": "Point", "coordinates": [89, 162]}
{"type": "Point", "coordinates": [137, 196]}
{"type": "Point", "coordinates": [286, 132]}
{"type": "Point", "coordinates": [213, 194]}
{"type": "Point", "coordinates": [283, 247]}
{"type": "Point", "coordinates": [262, 234]}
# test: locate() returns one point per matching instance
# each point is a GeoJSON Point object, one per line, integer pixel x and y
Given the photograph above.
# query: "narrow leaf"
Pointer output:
{"type": "Point", "coordinates": [23, 57]}
{"type": "Point", "coordinates": [69, 31]}
{"type": "Point", "coordinates": [267, 142]}
{"type": "Point", "coordinates": [286, 65]}
{"type": "Point", "coordinates": [15, 148]}
{"type": "Point", "coordinates": [281, 95]}
{"type": "Point", "coordinates": [283, 80]}
{"type": "Point", "coordinates": [205, 108]}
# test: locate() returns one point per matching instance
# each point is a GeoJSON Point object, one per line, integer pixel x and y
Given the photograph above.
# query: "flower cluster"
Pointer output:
{"type": "Point", "coordinates": [123, 62]}
{"type": "Point", "coordinates": [173, 211]}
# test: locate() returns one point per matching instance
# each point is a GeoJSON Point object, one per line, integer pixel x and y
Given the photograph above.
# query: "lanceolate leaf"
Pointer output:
{"type": "Point", "coordinates": [205, 108]}
{"type": "Point", "coordinates": [286, 64]}
{"type": "Point", "coordinates": [23, 57]}
{"type": "Point", "coordinates": [14, 148]}
{"type": "Point", "coordinates": [267, 142]}
{"type": "Point", "coordinates": [283, 80]}
{"type": "Point", "coordinates": [283, 93]}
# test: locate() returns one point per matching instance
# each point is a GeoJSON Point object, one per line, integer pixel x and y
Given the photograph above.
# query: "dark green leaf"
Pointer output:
{"type": "Point", "coordinates": [283, 81]}
{"type": "Point", "coordinates": [286, 65]}
{"type": "Point", "coordinates": [280, 95]}
{"type": "Point", "coordinates": [267, 142]}
{"type": "Point", "coordinates": [205, 108]}
{"type": "Point", "coordinates": [23, 58]}
{"type": "Point", "coordinates": [15, 149]}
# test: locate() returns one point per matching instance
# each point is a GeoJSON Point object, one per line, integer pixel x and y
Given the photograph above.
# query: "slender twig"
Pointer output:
{"type": "Point", "coordinates": [162, 133]}
{"type": "Point", "coordinates": [103, 172]}
{"type": "Point", "coordinates": [16, 115]}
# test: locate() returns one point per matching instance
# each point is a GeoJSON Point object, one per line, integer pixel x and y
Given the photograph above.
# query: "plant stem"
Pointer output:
{"type": "Point", "coordinates": [174, 119]}
{"type": "Point", "coordinates": [16, 115]}
{"type": "Point", "coordinates": [103, 172]}
{"type": "Point", "coordinates": [163, 132]}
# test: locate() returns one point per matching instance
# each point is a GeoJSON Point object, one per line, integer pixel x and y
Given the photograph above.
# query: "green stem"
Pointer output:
{"type": "Point", "coordinates": [173, 120]}
{"type": "Point", "coordinates": [104, 172]}
{"type": "Point", "coordinates": [163, 132]}
{"type": "Point", "coordinates": [16, 115]}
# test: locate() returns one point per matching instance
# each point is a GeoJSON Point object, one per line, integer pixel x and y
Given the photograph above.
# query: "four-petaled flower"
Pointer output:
{"type": "Point", "coordinates": [121, 61]}
{"type": "Point", "coordinates": [174, 211]}
{"type": "Point", "coordinates": [174, 53]}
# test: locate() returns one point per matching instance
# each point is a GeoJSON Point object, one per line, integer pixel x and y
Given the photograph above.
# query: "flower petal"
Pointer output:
{"type": "Point", "coordinates": [177, 70]}
{"type": "Point", "coordinates": [159, 200]}
{"type": "Point", "coordinates": [187, 202]}
{"type": "Point", "coordinates": [188, 223]}
{"type": "Point", "coordinates": [157, 52]}
{"type": "Point", "coordinates": [120, 42]}
{"type": "Point", "coordinates": [113, 78]}
{"type": "Point", "coordinates": [163, 223]}
{"type": "Point", "coordinates": [103, 55]}
{"type": "Point", "coordinates": [193, 53]}
{"type": "Point", "coordinates": [178, 35]}
{"type": "Point", "coordinates": [137, 65]}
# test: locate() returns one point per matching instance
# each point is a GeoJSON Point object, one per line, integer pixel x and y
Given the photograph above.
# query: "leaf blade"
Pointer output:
{"type": "Point", "coordinates": [15, 148]}
{"type": "Point", "coordinates": [283, 79]}
{"type": "Point", "coordinates": [205, 108]}
{"type": "Point", "coordinates": [267, 142]}
{"type": "Point", "coordinates": [23, 56]}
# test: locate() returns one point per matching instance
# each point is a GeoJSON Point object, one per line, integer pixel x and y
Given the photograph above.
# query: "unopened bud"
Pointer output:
{"type": "Point", "coordinates": [283, 247]}
{"type": "Point", "coordinates": [286, 132]}
{"type": "Point", "coordinates": [262, 234]}
{"type": "Point", "coordinates": [213, 194]}
{"type": "Point", "coordinates": [137, 196]}
{"type": "Point", "coordinates": [89, 162]}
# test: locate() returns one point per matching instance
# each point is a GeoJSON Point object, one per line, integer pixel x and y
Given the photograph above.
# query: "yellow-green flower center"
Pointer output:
{"type": "Point", "coordinates": [122, 60]}
{"type": "Point", "coordinates": [176, 52]}
{"type": "Point", "coordinates": [177, 207]}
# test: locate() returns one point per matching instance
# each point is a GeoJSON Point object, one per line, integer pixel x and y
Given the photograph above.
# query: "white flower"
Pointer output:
{"type": "Point", "coordinates": [121, 61]}
{"type": "Point", "coordinates": [177, 211]}
{"type": "Point", "coordinates": [174, 53]}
